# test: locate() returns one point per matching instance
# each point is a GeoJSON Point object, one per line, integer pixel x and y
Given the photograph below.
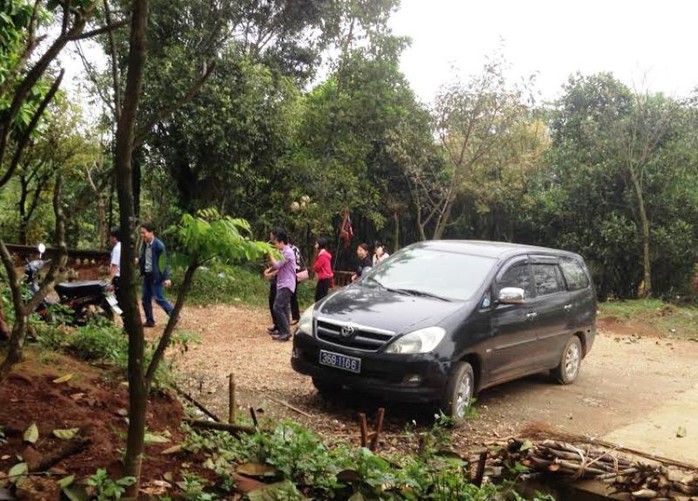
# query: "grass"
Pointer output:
{"type": "Point", "coordinates": [225, 284]}
{"type": "Point", "coordinates": [672, 320]}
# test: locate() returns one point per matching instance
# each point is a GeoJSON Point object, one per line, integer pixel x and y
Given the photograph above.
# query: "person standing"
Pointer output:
{"type": "Point", "coordinates": [323, 269]}
{"type": "Point", "coordinates": [300, 265]}
{"type": "Point", "coordinates": [379, 253]}
{"type": "Point", "coordinates": [115, 263]}
{"type": "Point", "coordinates": [365, 262]}
{"type": "Point", "coordinates": [285, 269]}
{"type": "Point", "coordinates": [155, 271]}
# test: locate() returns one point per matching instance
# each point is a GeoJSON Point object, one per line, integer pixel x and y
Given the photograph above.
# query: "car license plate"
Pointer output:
{"type": "Point", "coordinates": [344, 362]}
{"type": "Point", "coordinates": [111, 299]}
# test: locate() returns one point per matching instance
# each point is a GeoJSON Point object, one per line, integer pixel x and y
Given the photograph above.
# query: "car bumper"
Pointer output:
{"type": "Point", "coordinates": [406, 378]}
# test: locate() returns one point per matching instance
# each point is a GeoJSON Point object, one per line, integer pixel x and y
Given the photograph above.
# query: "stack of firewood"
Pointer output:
{"type": "Point", "coordinates": [640, 480]}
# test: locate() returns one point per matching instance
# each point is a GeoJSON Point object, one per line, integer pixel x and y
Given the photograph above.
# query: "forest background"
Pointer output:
{"type": "Point", "coordinates": [292, 113]}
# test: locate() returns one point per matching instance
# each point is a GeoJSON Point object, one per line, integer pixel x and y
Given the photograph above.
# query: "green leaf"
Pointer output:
{"type": "Point", "coordinates": [18, 472]}
{"type": "Point", "coordinates": [152, 438]}
{"type": "Point", "coordinates": [276, 492]}
{"type": "Point", "coordinates": [31, 434]}
{"type": "Point", "coordinates": [63, 379]}
{"type": "Point", "coordinates": [66, 481]}
{"type": "Point", "coordinates": [255, 469]}
{"type": "Point", "coordinates": [75, 493]}
{"type": "Point", "coordinates": [66, 434]}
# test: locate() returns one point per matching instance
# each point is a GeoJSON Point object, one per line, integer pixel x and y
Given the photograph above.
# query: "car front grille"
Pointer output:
{"type": "Point", "coordinates": [352, 336]}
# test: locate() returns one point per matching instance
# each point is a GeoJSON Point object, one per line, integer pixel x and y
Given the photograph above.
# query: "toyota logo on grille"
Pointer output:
{"type": "Point", "coordinates": [347, 331]}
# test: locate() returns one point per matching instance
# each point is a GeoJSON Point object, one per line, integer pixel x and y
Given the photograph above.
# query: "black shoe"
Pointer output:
{"type": "Point", "coordinates": [149, 324]}
{"type": "Point", "coordinates": [279, 337]}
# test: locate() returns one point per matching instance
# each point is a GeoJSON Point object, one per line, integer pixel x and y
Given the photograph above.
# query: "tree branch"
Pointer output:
{"type": "Point", "coordinates": [145, 130]}
{"type": "Point", "coordinates": [30, 128]}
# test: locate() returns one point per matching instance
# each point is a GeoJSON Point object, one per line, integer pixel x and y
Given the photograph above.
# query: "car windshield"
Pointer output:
{"type": "Point", "coordinates": [429, 272]}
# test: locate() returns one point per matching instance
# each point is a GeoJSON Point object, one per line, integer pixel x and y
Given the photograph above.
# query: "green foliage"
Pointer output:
{"type": "Point", "coordinates": [298, 456]}
{"type": "Point", "coordinates": [101, 341]}
{"type": "Point", "coordinates": [209, 235]}
{"type": "Point", "coordinates": [107, 489]}
{"type": "Point", "coordinates": [220, 283]}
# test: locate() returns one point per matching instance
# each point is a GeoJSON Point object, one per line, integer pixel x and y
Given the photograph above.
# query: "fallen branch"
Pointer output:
{"type": "Point", "coordinates": [235, 429]}
{"type": "Point", "coordinates": [57, 454]}
{"type": "Point", "coordinates": [295, 409]}
{"type": "Point", "coordinates": [199, 405]}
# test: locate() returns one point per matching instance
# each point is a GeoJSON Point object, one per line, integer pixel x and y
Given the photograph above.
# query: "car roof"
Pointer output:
{"type": "Point", "coordinates": [500, 250]}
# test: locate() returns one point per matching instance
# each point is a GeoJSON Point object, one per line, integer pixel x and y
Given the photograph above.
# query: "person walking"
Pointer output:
{"type": "Point", "coordinates": [323, 269]}
{"type": "Point", "coordinates": [285, 269]}
{"type": "Point", "coordinates": [115, 263]}
{"type": "Point", "coordinates": [365, 262]}
{"type": "Point", "coordinates": [154, 268]}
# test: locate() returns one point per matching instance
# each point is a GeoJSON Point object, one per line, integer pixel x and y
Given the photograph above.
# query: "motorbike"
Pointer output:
{"type": "Point", "coordinates": [85, 299]}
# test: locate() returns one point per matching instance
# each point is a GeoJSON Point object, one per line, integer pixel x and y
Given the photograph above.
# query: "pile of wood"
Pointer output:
{"type": "Point", "coordinates": [571, 462]}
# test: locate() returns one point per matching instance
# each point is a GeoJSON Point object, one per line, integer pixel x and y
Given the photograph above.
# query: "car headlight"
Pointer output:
{"type": "Point", "coordinates": [305, 323]}
{"type": "Point", "coordinates": [421, 341]}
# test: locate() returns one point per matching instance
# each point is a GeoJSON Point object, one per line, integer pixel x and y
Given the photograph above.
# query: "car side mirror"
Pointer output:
{"type": "Point", "coordinates": [511, 295]}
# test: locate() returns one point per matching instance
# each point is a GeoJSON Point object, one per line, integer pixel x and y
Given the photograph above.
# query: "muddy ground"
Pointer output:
{"type": "Point", "coordinates": [637, 386]}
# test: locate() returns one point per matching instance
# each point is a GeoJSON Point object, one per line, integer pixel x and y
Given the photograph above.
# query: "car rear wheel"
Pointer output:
{"type": "Point", "coordinates": [571, 361]}
{"type": "Point", "coordinates": [326, 388]}
{"type": "Point", "coordinates": [459, 392]}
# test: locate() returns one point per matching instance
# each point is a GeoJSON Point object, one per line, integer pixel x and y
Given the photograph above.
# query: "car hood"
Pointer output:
{"type": "Point", "coordinates": [387, 310]}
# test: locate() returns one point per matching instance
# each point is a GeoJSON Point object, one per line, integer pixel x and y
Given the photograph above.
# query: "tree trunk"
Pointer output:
{"type": "Point", "coordinates": [124, 174]}
{"type": "Point", "coordinates": [4, 328]}
{"type": "Point", "coordinates": [102, 221]}
{"type": "Point", "coordinates": [645, 227]}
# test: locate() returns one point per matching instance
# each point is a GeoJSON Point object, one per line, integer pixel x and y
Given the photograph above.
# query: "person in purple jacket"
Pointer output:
{"type": "Point", "coordinates": [285, 269]}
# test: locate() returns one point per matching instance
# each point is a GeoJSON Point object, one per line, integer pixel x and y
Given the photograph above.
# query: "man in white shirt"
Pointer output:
{"type": "Point", "coordinates": [115, 262]}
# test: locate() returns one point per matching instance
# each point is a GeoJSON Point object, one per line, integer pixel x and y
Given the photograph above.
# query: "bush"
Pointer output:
{"type": "Point", "coordinates": [99, 341]}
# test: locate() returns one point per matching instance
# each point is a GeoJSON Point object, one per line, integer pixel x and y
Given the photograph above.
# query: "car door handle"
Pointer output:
{"type": "Point", "coordinates": [531, 315]}
{"type": "Point", "coordinates": [567, 307]}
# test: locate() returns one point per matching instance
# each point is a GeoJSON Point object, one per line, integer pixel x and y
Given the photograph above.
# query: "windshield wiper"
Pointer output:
{"type": "Point", "coordinates": [414, 292]}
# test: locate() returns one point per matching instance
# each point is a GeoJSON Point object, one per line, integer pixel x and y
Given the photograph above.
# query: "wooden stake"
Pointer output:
{"type": "Point", "coordinates": [364, 429]}
{"type": "Point", "coordinates": [254, 417]}
{"type": "Point", "coordinates": [286, 404]}
{"type": "Point", "coordinates": [480, 472]}
{"type": "Point", "coordinates": [379, 427]}
{"type": "Point", "coordinates": [231, 399]}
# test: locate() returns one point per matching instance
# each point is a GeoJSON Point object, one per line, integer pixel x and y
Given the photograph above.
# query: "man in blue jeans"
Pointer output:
{"type": "Point", "coordinates": [285, 269]}
{"type": "Point", "coordinates": [155, 272]}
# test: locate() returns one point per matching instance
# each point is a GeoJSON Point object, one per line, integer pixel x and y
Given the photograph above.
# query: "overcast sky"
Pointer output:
{"type": "Point", "coordinates": [648, 45]}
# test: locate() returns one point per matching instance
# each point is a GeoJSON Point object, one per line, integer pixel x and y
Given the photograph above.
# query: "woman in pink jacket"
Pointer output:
{"type": "Point", "coordinates": [323, 268]}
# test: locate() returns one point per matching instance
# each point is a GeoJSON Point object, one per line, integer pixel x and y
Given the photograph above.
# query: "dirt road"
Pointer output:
{"type": "Point", "coordinates": [639, 391]}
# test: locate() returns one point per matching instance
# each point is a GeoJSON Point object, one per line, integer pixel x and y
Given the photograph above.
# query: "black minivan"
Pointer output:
{"type": "Point", "coordinates": [440, 320]}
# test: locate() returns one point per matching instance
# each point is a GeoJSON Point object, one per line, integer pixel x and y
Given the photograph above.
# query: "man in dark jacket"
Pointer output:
{"type": "Point", "coordinates": [155, 272]}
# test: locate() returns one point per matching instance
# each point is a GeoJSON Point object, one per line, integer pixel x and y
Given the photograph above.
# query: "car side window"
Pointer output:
{"type": "Point", "coordinates": [548, 278]}
{"type": "Point", "coordinates": [517, 276]}
{"type": "Point", "coordinates": [574, 274]}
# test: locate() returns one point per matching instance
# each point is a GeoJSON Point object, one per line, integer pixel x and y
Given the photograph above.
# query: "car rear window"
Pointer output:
{"type": "Point", "coordinates": [450, 275]}
{"type": "Point", "coordinates": [574, 274]}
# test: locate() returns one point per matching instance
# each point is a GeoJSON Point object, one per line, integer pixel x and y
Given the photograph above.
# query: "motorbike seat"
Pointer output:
{"type": "Point", "coordinates": [82, 288]}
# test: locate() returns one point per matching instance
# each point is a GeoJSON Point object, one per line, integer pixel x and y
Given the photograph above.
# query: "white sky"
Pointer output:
{"type": "Point", "coordinates": [648, 45]}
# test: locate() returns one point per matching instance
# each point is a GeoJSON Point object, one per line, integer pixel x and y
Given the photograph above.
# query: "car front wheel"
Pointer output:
{"type": "Point", "coordinates": [570, 362]}
{"type": "Point", "coordinates": [459, 392]}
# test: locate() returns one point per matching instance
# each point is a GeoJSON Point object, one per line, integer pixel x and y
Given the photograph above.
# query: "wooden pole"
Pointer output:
{"type": "Point", "coordinates": [379, 427]}
{"type": "Point", "coordinates": [231, 398]}
{"type": "Point", "coordinates": [364, 429]}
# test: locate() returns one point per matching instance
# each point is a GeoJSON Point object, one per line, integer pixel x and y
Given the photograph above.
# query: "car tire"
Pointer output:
{"type": "Point", "coordinates": [459, 392]}
{"type": "Point", "coordinates": [326, 388]}
{"type": "Point", "coordinates": [570, 362]}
